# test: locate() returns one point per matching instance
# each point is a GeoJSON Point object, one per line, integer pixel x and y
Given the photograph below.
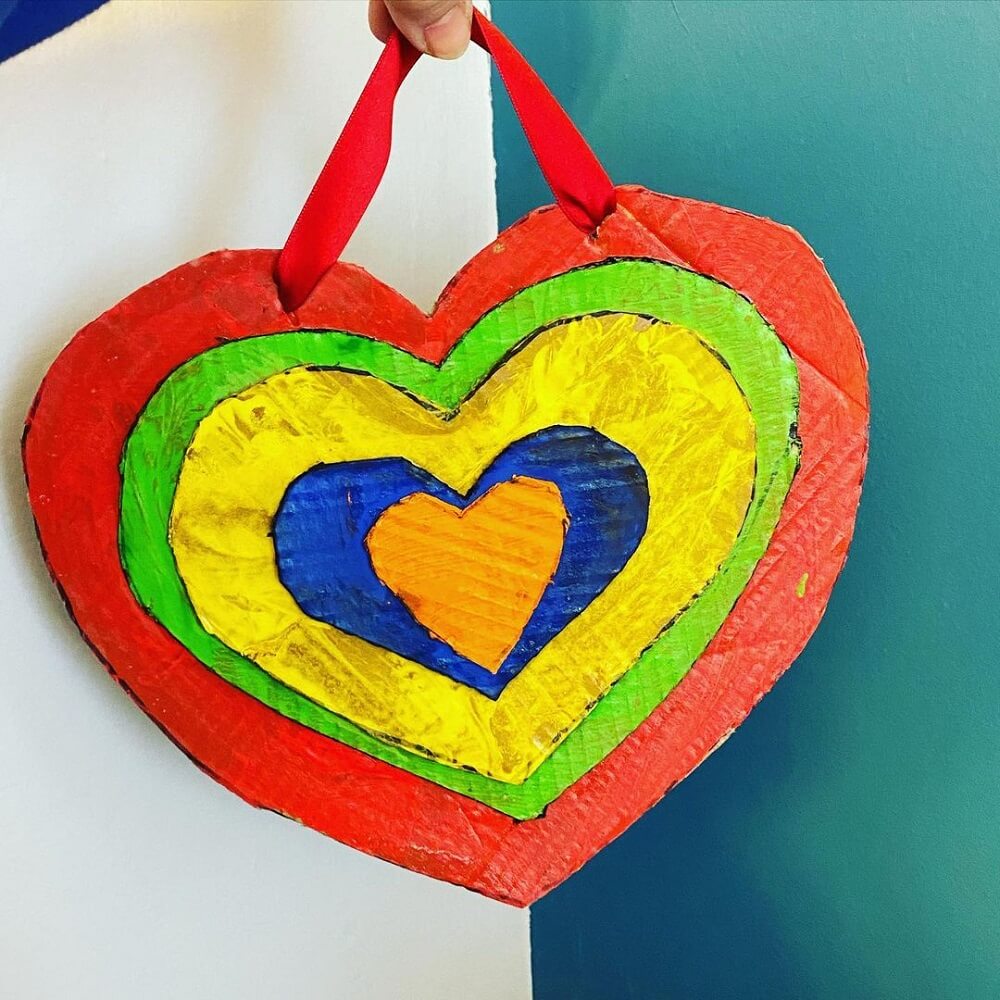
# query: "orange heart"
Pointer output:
{"type": "Point", "coordinates": [472, 577]}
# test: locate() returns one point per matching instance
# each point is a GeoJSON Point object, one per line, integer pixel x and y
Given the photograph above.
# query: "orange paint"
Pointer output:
{"type": "Point", "coordinates": [473, 577]}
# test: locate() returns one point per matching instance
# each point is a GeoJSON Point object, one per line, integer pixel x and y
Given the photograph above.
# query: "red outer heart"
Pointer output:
{"type": "Point", "coordinates": [93, 392]}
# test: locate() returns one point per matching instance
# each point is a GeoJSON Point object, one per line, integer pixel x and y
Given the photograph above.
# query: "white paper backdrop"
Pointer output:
{"type": "Point", "coordinates": [143, 136]}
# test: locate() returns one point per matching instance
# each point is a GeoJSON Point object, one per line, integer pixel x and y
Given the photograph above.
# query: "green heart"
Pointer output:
{"type": "Point", "coordinates": [725, 321]}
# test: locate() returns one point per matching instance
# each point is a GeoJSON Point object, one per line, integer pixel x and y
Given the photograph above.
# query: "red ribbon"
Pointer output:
{"type": "Point", "coordinates": [351, 175]}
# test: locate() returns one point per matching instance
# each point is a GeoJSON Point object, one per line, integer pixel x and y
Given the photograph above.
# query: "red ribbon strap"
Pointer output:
{"type": "Point", "coordinates": [351, 175]}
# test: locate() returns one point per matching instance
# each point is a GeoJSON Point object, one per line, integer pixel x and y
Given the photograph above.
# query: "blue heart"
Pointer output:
{"type": "Point", "coordinates": [325, 515]}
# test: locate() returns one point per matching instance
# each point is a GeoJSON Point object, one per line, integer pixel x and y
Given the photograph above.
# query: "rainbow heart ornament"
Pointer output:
{"type": "Point", "coordinates": [212, 327]}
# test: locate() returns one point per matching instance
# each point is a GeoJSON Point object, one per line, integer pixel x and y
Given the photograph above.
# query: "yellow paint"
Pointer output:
{"type": "Point", "coordinates": [472, 577]}
{"type": "Point", "coordinates": [653, 388]}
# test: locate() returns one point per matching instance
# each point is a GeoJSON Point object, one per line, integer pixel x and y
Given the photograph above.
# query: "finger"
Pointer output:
{"type": "Point", "coordinates": [438, 27]}
{"type": "Point", "coordinates": [379, 20]}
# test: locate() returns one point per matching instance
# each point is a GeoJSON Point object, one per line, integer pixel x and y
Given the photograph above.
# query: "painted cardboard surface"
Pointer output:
{"type": "Point", "coordinates": [273, 762]}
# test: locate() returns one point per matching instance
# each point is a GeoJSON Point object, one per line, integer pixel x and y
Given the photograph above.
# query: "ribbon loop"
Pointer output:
{"type": "Point", "coordinates": [354, 169]}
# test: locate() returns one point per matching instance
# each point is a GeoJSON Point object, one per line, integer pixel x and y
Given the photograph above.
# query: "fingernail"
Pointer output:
{"type": "Point", "coordinates": [448, 37]}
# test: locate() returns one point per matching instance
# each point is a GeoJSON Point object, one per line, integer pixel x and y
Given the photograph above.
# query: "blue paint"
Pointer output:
{"type": "Point", "coordinates": [24, 23]}
{"type": "Point", "coordinates": [843, 844]}
{"type": "Point", "coordinates": [326, 514]}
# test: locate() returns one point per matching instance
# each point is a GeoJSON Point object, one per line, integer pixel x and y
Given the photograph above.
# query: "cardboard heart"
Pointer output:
{"type": "Point", "coordinates": [118, 362]}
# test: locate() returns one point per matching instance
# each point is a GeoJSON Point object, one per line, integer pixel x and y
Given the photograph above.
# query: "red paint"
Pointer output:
{"type": "Point", "coordinates": [91, 396]}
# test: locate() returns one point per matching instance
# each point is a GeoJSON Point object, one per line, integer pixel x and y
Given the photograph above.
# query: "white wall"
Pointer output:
{"type": "Point", "coordinates": [145, 135]}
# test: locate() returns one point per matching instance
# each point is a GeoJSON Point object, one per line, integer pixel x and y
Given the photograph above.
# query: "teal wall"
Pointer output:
{"type": "Point", "coordinates": [845, 843]}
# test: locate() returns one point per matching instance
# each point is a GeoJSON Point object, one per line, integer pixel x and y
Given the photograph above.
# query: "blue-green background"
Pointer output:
{"type": "Point", "coordinates": [845, 842]}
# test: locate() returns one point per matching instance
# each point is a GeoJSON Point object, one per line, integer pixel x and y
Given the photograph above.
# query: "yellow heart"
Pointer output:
{"type": "Point", "coordinates": [472, 577]}
{"type": "Point", "coordinates": [651, 387]}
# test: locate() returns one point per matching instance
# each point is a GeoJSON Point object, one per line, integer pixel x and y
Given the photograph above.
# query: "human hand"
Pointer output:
{"type": "Point", "coordinates": [438, 27]}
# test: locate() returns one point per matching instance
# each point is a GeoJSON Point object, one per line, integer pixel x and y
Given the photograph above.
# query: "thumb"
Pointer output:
{"type": "Point", "coordinates": [438, 27]}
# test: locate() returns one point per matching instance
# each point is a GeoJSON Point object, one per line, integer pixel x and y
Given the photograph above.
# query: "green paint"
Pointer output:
{"type": "Point", "coordinates": [727, 322]}
{"type": "Point", "coordinates": [800, 589]}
